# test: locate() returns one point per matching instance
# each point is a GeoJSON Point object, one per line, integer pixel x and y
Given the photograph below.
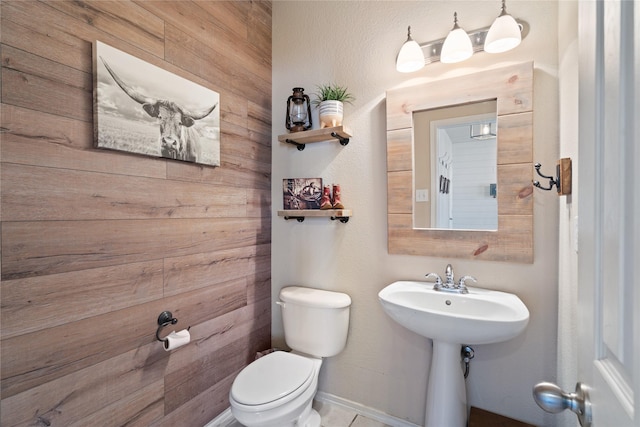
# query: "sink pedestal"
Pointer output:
{"type": "Point", "coordinates": [480, 316]}
{"type": "Point", "coordinates": [446, 392]}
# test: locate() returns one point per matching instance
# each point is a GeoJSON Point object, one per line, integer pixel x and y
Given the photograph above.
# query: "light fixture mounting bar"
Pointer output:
{"type": "Point", "coordinates": [433, 48]}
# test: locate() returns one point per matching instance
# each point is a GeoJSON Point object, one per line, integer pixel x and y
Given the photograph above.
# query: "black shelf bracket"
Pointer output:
{"type": "Point", "coordinates": [342, 139]}
{"type": "Point", "coordinates": [297, 218]}
{"type": "Point", "coordinates": [342, 219]}
{"type": "Point", "coordinates": [299, 146]}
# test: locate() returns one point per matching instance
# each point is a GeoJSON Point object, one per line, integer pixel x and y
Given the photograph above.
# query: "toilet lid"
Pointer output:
{"type": "Point", "coordinates": [270, 378]}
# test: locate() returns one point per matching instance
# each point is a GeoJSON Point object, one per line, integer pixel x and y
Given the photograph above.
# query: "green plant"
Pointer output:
{"type": "Point", "coordinates": [332, 92]}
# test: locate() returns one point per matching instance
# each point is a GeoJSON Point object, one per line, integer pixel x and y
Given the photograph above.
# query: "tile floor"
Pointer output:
{"type": "Point", "coordinates": [336, 416]}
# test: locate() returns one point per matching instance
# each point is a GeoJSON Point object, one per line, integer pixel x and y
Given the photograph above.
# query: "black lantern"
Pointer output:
{"type": "Point", "coordinates": [298, 111]}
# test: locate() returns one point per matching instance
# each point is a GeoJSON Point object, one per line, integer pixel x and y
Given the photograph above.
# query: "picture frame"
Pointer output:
{"type": "Point", "coordinates": [143, 109]}
{"type": "Point", "coordinates": [301, 193]}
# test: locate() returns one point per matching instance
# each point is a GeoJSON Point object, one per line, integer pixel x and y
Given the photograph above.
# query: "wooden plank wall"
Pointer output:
{"type": "Point", "coordinates": [95, 244]}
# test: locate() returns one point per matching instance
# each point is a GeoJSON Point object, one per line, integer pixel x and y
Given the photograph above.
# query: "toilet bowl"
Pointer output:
{"type": "Point", "coordinates": [277, 390]}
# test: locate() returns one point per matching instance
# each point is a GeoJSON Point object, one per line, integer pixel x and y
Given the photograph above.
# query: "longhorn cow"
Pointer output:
{"type": "Point", "coordinates": [177, 139]}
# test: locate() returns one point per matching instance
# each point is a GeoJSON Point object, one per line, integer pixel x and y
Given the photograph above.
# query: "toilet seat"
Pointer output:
{"type": "Point", "coordinates": [278, 377]}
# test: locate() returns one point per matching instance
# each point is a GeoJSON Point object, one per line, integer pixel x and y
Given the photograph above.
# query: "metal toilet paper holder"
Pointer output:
{"type": "Point", "coordinates": [165, 319]}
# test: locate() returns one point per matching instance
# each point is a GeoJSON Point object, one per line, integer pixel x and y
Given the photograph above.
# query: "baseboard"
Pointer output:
{"type": "Point", "coordinates": [366, 411]}
{"type": "Point", "coordinates": [225, 419]}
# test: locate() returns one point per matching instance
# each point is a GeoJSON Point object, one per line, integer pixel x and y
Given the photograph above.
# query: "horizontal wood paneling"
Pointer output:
{"type": "Point", "coordinates": [31, 192]}
{"type": "Point", "coordinates": [25, 26]}
{"type": "Point", "coordinates": [33, 248]}
{"type": "Point", "coordinates": [399, 185]}
{"type": "Point", "coordinates": [482, 245]}
{"type": "Point", "coordinates": [203, 28]}
{"type": "Point", "coordinates": [516, 134]}
{"type": "Point", "coordinates": [512, 86]}
{"type": "Point", "coordinates": [86, 391]}
{"type": "Point", "coordinates": [32, 359]}
{"type": "Point", "coordinates": [127, 20]}
{"type": "Point", "coordinates": [46, 95]}
{"type": "Point", "coordinates": [189, 272]}
{"type": "Point", "coordinates": [27, 63]}
{"type": "Point", "coordinates": [96, 243]}
{"type": "Point", "coordinates": [400, 150]}
{"type": "Point", "coordinates": [33, 304]}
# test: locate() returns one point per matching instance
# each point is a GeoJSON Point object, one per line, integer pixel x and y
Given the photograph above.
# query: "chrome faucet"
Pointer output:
{"type": "Point", "coordinates": [450, 284]}
{"type": "Point", "coordinates": [448, 274]}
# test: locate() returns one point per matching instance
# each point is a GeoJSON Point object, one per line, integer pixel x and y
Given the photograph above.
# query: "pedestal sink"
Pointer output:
{"type": "Point", "coordinates": [479, 317]}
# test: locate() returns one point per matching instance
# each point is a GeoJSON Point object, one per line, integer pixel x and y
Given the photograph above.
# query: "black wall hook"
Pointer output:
{"type": "Point", "coordinates": [552, 181]}
{"type": "Point", "coordinates": [562, 180]}
{"type": "Point", "coordinates": [165, 319]}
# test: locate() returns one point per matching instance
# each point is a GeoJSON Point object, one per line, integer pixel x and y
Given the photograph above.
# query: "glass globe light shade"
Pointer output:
{"type": "Point", "coordinates": [410, 58]}
{"type": "Point", "coordinates": [503, 35]}
{"type": "Point", "coordinates": [298, 113]}
{"type": "Point", "coordinates": [457, 46]}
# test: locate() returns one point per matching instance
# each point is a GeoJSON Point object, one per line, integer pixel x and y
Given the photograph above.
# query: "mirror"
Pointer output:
{"type": "Point", "coordinates": [454, 164]}
{"type": "Point", "coordinates": [511, 88]}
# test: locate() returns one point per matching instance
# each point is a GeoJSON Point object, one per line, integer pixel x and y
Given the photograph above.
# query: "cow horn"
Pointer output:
{"type": "Point", "coordinates": [200, 115]}
{"type": "Point", "coordinates": [133, 94]}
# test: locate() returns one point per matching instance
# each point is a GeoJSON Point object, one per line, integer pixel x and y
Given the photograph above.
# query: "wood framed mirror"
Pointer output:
{"type": "Point", "coordinates": [512, 88]}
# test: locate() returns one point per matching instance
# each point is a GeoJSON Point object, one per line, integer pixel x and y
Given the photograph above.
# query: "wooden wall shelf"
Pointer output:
{"type": "Point", "coordinates": [342, 215]}
{"type": "Point", "coordinates": [300, 139]}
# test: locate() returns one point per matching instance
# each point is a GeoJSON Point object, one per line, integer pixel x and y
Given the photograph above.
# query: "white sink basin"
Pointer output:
{"type": "Point", "coordinates": [479, 317]}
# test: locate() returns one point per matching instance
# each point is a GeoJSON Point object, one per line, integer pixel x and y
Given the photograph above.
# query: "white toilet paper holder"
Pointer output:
{"type": "Point", "coordinates": [165, 319]}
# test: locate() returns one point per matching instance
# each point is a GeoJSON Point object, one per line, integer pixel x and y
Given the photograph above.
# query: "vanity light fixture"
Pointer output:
{"type": "Point", "coordinates": [502, 36]}
{"type": "Point", "coordinates": [504, 33]}
{"type": "Point", "coordinates": [410, 58]}
{"type": "Point", "coordinates": [482, 131]}
{"type": "Point", "coordinates": [457, 46]}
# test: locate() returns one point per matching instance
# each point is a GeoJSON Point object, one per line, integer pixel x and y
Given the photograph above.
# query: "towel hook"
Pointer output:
{"type": "Point", "coordinates": [552, 181]}
{"type": "Point", "coordinates": [165, 319]}
{"type": "Point", "coordinates": [562, 180]}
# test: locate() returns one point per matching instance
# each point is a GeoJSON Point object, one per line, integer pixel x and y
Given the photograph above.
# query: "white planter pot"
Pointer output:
{"type": "Point", "coordinates": [330, 113]}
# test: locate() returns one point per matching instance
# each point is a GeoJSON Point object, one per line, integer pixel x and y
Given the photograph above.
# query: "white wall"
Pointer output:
{"type": "Point", "coordinates": [355, 43]}
{"type": "Point", "coordinates": [568, 256]}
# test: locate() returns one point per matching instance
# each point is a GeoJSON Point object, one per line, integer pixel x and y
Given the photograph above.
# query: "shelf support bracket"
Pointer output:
{"type": "Point", "coordinates": [342, 219]}
{"type": "Point", "coordinates": [299, 146]}
{"type": "Point", "coordinates": [297, 218]}
{"type": "Point", "coordinates": [342, 139]}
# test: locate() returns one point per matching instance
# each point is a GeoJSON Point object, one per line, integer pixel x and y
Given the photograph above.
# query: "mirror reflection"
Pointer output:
{"type": "Point", "coordinates": [455, 167]}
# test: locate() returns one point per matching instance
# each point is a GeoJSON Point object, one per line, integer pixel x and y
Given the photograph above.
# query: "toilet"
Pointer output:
{"type": "Point", "coordinates": [277, 390]}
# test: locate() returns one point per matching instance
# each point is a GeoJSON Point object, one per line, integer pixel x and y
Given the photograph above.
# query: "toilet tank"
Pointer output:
{"type": "Point", "coordinates": [315, 321]}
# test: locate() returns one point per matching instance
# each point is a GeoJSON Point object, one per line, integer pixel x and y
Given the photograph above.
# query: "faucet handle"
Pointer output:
{"type": "Point", "coordinates": [461, 282]}
{"type": "Point", "coordinates": [438, 281]}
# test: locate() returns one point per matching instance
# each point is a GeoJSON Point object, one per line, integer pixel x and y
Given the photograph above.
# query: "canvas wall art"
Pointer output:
{"type": "Point", "coordinates": [143, 109]}
{"type": "Point", "coordinates": [301, 193]}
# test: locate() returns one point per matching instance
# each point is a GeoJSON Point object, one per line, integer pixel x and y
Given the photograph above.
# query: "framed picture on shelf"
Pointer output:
{"type": "Point", "coordinates": [301, 193]}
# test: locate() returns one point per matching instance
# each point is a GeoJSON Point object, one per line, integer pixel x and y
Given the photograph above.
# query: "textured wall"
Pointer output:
{"type": "Point", "coordinates": [355, 43]}
{"type": "Point", "coordinates": [95, 244]}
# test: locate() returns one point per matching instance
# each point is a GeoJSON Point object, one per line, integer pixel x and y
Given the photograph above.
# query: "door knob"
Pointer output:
{"type": "Point", "coordinates": [552, 399]}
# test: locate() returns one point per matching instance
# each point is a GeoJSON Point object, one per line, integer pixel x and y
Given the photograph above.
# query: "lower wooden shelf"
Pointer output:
{"type": "Point", "coordinates": [341, 215]}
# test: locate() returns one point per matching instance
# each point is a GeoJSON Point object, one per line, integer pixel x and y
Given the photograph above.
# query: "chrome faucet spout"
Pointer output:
{"type": "Point", "coordinates": [448, 273]}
